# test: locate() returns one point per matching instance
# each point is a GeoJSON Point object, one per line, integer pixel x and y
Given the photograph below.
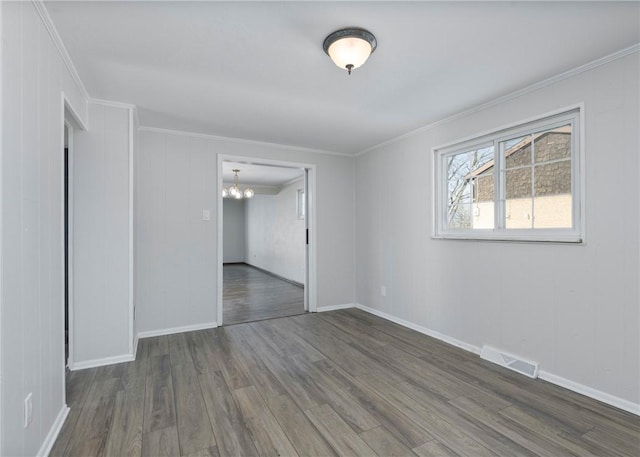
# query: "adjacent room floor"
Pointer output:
{"type": "Point", "coordinates": [251, 294]}
{"type": "Point", "coordinates": [337, 383]}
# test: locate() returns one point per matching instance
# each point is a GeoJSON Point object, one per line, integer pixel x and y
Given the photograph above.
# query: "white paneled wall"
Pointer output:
{"type": "Point", "coordinates": [176, 250]}
{"type": "Point", "coordinates": [34, 77]}
{"type": "Point", "coordinates": [573, 308]}
{"type": "Point", "coordinates": [234, 229]}
{"type": "Point", "coordinates": [101, 187]}
{"type": "Point", "coordinates": [275, 235]}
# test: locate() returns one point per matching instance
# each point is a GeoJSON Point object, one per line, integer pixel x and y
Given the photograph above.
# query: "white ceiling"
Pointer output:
{"type": "Point", "coordinates": [259, 175]}
{"type": "Point", "coordinates": [257, 71]}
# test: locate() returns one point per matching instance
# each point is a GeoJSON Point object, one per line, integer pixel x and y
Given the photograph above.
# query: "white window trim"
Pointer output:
{"type": "Point", "coordinates": [575, 235]}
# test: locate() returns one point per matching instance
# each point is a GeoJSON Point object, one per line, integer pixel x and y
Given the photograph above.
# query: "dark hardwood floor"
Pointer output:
{"type": "Point", "coordinates": [250, 294]}
{"type": "Point", "coordinates": [338, 383]}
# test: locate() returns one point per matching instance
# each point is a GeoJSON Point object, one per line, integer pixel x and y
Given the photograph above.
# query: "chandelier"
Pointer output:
{"type": "Point", "coordinates": [234, 191]}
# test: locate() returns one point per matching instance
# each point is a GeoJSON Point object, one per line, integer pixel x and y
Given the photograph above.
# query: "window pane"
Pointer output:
{"type": "Point", "coordinates": [518, 199]}
{"type": "Point", "coordinates": [518, 204]}
{"type": "Point", "coordinates": [517, 152]}
{"type": "Point", "coordinates": [469, 185]}
{"type": "Point", "coordinates": [548, 203]}
{"type": "Point", "coordinates": [483, 197]}
{"type": "Point", "coordinates": [553, 195]}
{"type": "Point", "coordinates": [460, 209]}
{"type": "Point", "coordinates": [553, 201]}
{"type": "Point", "coordinates": [553, 144]}
{"type": "Point", "coordinates": [553, 178]}
{"type": "Point", "coordinates": [518, 183]}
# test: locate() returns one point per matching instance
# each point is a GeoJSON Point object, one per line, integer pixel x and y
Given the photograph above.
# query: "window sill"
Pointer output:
{"type": "Point", "coordinates": [513, 237]}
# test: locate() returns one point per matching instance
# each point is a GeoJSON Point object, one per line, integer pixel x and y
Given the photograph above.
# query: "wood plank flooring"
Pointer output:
{"type": "Point", "coordinates": [338, 383]}
{"type": "Point", "coordinates": [250, 294]}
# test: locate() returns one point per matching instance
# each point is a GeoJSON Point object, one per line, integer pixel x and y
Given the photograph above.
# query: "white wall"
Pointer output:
{"type": "Point", "coordinates": [175, 249]}
{"type": "Point", "coordinates": [573, 308]}
{"type": "Point", "coordinates": [101, 236]}
{"type": "Point", "coordinates": [32, 321]}
{"type": "Point", "coordinates": [234, 229]}
{"type": "Point", "coordinates": [133, 221]}
{"type": "Point", "coordinates": [177, 252]}
{"type": "Point", "coordinates": [275, 235]}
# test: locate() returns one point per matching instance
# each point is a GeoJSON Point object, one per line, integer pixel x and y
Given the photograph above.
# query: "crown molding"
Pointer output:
{"type": "Point", "coordinates": [510, 96]}
{"type": "Point", "coordinates": [241, 141]}
{"type": "Point", "coordinates": [112, 104]}
{"type": "Point", "coordinates": [53, 33]}
{"type": "Point", "coordinates": [291, 181]}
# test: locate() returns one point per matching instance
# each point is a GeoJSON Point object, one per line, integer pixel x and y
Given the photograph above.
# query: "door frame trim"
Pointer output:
{"type": "Point", "coordinates": [310, 217]}
{"type": "Point", "coordinates": [68, 271]}
{"type": "Point", "coordinates": [70, 119]}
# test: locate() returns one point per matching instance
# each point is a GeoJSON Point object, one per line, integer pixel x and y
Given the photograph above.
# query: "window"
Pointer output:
{"type": "Point", "coordinates": [520, 183]}
{"type": "Point", "coordinates": [300, 203]}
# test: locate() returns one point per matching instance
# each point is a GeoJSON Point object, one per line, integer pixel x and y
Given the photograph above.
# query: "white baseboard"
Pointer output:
{"type": "Point", "coordinates": [419, 328]}
{"type": "Point", "coordinates": [102, 362]}
{"type": "Point", "coordinates": [131, 357]}
{"type": "Point", "coordinates": [587, 391]}
{"type": "Point", "coordinates": [171, 331]}
{"type": "Point", "coordinates": [322, 309]}
{"type": "Point", "coordinates": [54, 431]}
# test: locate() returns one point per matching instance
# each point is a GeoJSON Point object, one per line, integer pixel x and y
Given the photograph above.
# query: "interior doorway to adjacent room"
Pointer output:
{"type": "Point", "coordinates": [265, 255]}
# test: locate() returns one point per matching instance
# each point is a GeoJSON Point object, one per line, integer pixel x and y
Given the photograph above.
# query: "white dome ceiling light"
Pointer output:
{"type": "Point", "coordinates": [350, 48]}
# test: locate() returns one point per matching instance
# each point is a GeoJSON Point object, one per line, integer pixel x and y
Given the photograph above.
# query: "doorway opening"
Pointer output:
{"type": "Point", "coordinates": [266, 260]}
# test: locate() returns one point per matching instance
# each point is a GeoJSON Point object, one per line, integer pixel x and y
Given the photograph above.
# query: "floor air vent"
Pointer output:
{"type": "Point", "coordinates": [513, 362]}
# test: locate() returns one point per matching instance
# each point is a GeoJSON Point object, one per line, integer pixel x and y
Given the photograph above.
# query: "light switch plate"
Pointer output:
{"type": "Point", "coordinates": [206, 215]}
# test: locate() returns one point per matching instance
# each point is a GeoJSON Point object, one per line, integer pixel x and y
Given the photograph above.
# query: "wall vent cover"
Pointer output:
{"type": "Point", "coordinates": [513, 362]}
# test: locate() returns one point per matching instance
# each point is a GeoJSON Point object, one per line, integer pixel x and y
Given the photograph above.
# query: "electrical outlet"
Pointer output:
{"type": "Point", "coordinates": [383, 291]}
{"type": "Point", "coordinates": [28, 409]}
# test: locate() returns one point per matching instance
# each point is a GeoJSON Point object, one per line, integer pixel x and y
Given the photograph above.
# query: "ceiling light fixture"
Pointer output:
{"type": "Point", "coordinates": [350, 48]}
{"type": "Point", "coordinates": [234, 191]}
